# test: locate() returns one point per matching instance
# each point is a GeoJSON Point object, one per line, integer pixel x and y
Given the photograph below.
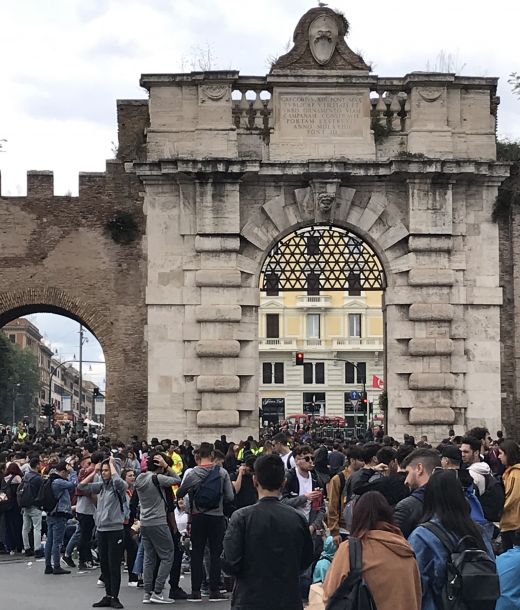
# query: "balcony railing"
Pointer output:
{"type": "Point", "coordinates": [278, 344]}
{"type": "Point", "coordinates": [313, 301]}
{"type": "Point", "coordinates": [368, 343]}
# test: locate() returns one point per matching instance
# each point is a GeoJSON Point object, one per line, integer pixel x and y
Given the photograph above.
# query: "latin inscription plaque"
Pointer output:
{"type": "Point", "coordinates": [321, 115]}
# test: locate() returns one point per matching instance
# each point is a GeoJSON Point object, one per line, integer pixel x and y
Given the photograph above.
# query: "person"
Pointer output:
{"type": "Point", "coordinates": [231, 462]}
{"type": "Point", "coordinates": [32, 515]}
{"type": "Point", "coordinates": [207, 525]}
{"type": "Point", "coordinates": [339, 496]}
{"type": "Point", "coordinates": [109, 517]}
{"type": "Point", "coordinates": [12, 516]}
{"type": "Point", "coordinates": [325, 561]}
{"type": "Point", "coordinates": [389, 566]}
{"type": "Point", "coordinates": [85, 510]}
{"type": "Point", "coordinates": [508, 568]}
{"type": "Point", "coordinates": [62, 481]}
{"type": "Point", "coordinates": [280, 446]}
{"type": "Point", "coordinates": [243, 484]}
{"type": "Point", "coordinates": [388, 477]}
{"type": "Point", "coordinates": [129, 541]}
{"type": "Point", "coordinates": [155, 533]}
{"type": "Point", "coordinates": [267, 546]}
{"type": "Point", "coordinates": [444, 504]}
{"type": "Point", "coordinates": [509, 455]}
{"type": "Point", "coordinates": [419, 466]}
{"type": "Point", "coordinates": [336, 459]}
{"type": "Point", "coordinates": [478, 469]}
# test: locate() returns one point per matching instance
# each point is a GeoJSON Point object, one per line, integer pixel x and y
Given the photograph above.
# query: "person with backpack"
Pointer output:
{"type": "Point", "coordinates": [376, 564]}
{"type": "Point", "coordinates": [509, 454]}
{"type": "Point", "coordinates": [454, 558]}
{"type": "Point", "coordinates": [54, 498]}
{"type": "Point", "coordinates": [479, 470]}
{"type": "Point", "coordinates": [339, 496]}
{"type": "Point", "coordinates": [508, 568]}
{"type": "Point", "coordinates": [209, 487]}
{"type": "Point", "coordinates": [109, 518]}
{"type": "Point", "coordinates": [9, 508]}
{"type": "Point", "coordinates": [27, 495]}
{"type": "Point", "coordinates": [156, 538]}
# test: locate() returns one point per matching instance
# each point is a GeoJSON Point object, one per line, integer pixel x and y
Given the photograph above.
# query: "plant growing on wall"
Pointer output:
{"type": "Point", "coordinates": [123, 228]}
{"type": "Point", "coordinates": [383, 401]}
{"type": "Point", "coordinates": [509, 192]}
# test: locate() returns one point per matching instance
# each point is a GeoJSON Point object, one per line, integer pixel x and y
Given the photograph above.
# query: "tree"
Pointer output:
{"type": "Point", "coordinates": [514, 81]}
{"type": "Point", "coordinates": [19, 381]}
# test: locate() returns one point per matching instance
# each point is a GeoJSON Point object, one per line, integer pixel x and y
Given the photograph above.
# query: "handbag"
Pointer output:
{"type": "Point", "coordinates": [316, 597]}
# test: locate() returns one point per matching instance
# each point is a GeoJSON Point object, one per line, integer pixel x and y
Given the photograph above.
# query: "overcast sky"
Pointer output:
{"type": "Point", "coordinates": [65, 62]}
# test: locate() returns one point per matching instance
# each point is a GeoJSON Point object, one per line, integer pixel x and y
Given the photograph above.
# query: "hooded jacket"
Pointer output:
{"type": "Point", "coordinates": [389, 569]}
{"type": "Point", "coordinates": [325, 560]}
{"type": "Point", "coordinates": [479, 471]}
{"type": "Point", "coordinates": [511, 516]}
{"type": "Point", "coordinates": [110, 508]}
{"type": "Point", "coordinates": [195, 477]}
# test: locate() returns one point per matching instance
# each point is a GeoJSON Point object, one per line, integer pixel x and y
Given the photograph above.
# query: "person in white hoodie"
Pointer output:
{"type": "Point", "coordinates": [479, 470]}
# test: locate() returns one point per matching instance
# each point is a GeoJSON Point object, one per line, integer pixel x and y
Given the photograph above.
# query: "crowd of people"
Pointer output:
{"type": "Point", "coordinates": [288, 521]}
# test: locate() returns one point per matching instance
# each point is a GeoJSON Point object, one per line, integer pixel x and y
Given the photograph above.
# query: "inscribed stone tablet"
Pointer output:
{"type": "Point", "coordinates": [321, 115]}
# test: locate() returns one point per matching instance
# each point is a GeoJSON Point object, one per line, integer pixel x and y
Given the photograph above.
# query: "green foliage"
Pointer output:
{"type": "Point", "coordinates": [381, 132]}
{"type": "Point", "coordinates": [509, 192]}
{"type": "Point", "coordinates": [383, 401]}
{"type": "Point", "coordinates": [514, 81]}
{"type": "Point", "coordinates": [123, 228]}
{"type": "Point", "coordinates": [409, 155]}
{"type": "Point", "coordinates": [19, 380]}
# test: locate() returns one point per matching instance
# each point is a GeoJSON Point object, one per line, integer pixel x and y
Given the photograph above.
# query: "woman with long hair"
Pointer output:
{"type": "Point", "coordinates": [509, 454]}
{"type": "Point", "coordinates": [231, 462]}
{"type": "Point", "coordinates": [389, 566]}
{"type": "Point", "coordinates": [446, 506]}
{"type": "Point", "coordinates": [129, 539]}
{"type": "Point", "coordinates": [13, 516]}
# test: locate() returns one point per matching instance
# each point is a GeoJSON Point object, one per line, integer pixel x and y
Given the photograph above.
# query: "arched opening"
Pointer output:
{"type": "Point", "coordinates": [53, 369]}
{"type": "Point", "coordinates": [321, 331]}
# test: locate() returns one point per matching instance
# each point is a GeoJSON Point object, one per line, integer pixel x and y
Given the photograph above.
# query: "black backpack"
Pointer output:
{"type": "Point", "coordinates": [209, 491]}
{"type": "Point", "coordinates": [472, 581]}
{"type": "Point", "coordinates": [25, 494]}
{"type": "Point", "coordinates": [493, 499]}
{"type": "Point", "coordinates": [6, 496]}
{"type": "Point", "coordinates": [46, 498]}
{"type": "Point", "coordinates": [353, 593]}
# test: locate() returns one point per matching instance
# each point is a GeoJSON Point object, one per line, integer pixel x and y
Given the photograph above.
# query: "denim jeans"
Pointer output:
{"type": "Point", "coordinates": [55, 532]}
{"type": "Point", "coordinates": [74, 541]}
{"type": "Point", "coordinates": [139, 560]}
{"type": "Point", "coordinates": [32, 519]}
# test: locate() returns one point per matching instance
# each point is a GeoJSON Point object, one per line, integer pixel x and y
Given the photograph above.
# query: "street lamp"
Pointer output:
{"type": "Point", "coordinates": [15, 394]}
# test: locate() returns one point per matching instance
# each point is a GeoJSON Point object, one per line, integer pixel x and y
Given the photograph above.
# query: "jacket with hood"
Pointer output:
{"type": "Point", "coordinates": [408, 512]}
{"type": "Point", "coordinates": [151, 502]}
{"type": "Point", "coordinates": [432, 557]}
{"type": "Point", "coordinates": [479, 471]}
{"type": "Point", "coordinates": [511, 516]}
{"type": "Point", "coordinates": [194, 478]}
{"type": "Point", "coordinates": [110, 508]}
{"type": "Point", "coordinates": [62, 488]}
{"type": "Point", "coordinates": [389, 569]}
{"type": "Point", "coordinates": [325, 561]}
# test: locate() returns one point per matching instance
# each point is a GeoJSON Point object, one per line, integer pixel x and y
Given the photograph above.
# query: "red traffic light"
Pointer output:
{"type": "Point", "coordinates": [364, 398]}
{"type": "Point", "coordinates": [300, 357]}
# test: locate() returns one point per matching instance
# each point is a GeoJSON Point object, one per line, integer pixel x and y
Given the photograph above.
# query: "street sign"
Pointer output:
{"type": "Point", "coordinates": [354, 404]}
{"type": "Point", "coordinates": [354, 396]}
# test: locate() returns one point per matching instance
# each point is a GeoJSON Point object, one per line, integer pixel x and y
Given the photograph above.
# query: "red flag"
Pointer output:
{"type": "Point", "coordinates": [377, 382]}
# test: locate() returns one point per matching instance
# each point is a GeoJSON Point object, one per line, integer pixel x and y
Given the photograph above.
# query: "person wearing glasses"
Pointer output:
{"type": "Point", "coordinates": [303, 491]}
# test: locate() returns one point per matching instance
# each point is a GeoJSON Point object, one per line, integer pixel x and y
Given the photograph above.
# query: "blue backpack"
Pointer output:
{"type": "Point", "coordinates": [209, 491]}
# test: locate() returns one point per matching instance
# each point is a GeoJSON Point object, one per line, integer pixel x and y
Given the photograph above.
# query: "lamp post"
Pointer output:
{"type": "Point", "coordinates": [15, 394]}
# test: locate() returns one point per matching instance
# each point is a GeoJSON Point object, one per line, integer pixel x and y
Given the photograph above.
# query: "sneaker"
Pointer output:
{"type": "Point", "coordinates": [158, 598]}
{"type": "Point", "coordinates": [106, 602]}
{"type": "Point", "coordinates": [178, 593]}
{"type": "Point", "coordinates": [204, 592]}
{"type": "Point", "coordinates": [60, 570]}
{"type": "Point", "coordinates": [48, 570]}
{"type": "Point", "coordinates": [115, 603]}
{"type": "Point", "coordinates": [194, 596]}
{"type": "Point", "coordinates": [86, 565]}
{"type": "Point", "coordinates": [146, 598]}
{"type": "Point", "coordinates": [39, 554]}
{"type": "Point", "coordinates": [217, 596]}
{"type": "Point", "coordinates": [69, 561]}
{"type": "Point", "coordinates": [28, 552]}
{"type": "Point", "coordinates": [132, 583]}
{"type": "Point", "coordinates": [140, 583]}
{"type": "Point", "coordinates": [100, 583]}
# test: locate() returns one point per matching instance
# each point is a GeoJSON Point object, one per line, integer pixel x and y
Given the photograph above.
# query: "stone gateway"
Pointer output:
{"type": "Point", "coordinates": [408, 165]}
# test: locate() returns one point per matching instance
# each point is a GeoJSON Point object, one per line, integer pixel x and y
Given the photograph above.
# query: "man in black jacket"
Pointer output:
{"type": "Point", "coordinates": [419, 466]}
{"type": "Point", "coordinates": [267, 546]}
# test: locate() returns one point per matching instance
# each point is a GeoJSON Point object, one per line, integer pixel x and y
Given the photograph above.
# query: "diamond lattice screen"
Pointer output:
{"type": "Point", "coordinates": [322, 258]}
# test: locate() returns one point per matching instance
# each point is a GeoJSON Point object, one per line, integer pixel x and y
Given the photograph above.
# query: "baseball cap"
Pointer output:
{"type": "Point", "coordinates": [452, 453]}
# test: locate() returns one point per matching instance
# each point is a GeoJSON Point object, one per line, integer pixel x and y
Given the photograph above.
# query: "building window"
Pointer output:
{"type": "Point", "coordinates": [354, 324]}
{"type": "Point", "coordinates": [271, 284]}
{"type": "Point", "coordinates": [313, 326]}
{"type": "Point", "coordinates": [313, 284]}
{"type": "Point", "coordinates": [272, 371]}
{"type": "Point", "coordinates": [355, 375]}
{"type": "Point", "coordinates": [313, 245]}
{"type": "Point", "coordinates": [12, 338]}
{"type": "Point", "coordinates": [273, 410]}
{"type": "Point", "coordinates": [314, 372]}
{"type": "Point", "coordinates": [272, 325]}
{"type": "Point", "coordinates": [354, 285]}
{"type": "Point", "coordinates": [314, 403]}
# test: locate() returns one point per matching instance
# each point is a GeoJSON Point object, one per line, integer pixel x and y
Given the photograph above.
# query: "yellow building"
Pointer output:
{"type": "Point", "coordinates": [341, 336]}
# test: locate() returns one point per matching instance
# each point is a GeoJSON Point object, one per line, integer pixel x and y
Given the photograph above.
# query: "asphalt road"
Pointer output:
{"type": "Point", "coordinates": [24, 586]}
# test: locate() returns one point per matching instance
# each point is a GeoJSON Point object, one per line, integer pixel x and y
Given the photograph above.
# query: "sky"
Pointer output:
{"type": "Point", "coordinates": [63, 64]}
